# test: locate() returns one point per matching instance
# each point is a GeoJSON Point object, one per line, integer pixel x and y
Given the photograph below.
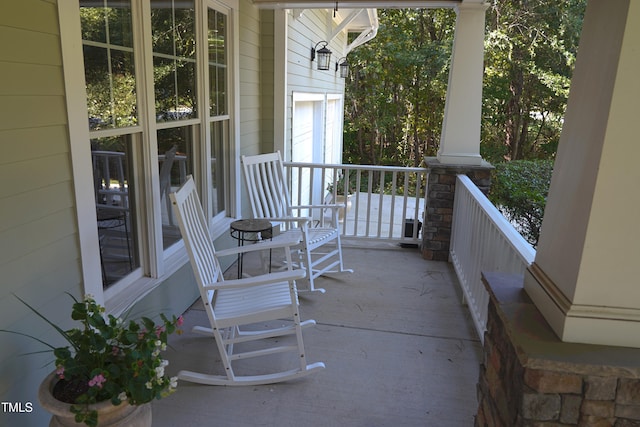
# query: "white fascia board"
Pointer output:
{"type": "Point", "coordinates": [358, 4]}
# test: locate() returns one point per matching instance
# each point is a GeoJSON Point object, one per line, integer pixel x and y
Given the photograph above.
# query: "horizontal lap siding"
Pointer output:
{"type": "Point", "coordinates": [305, 32]}
{"type": "Point", "coordinates": [39, 254]}
{"type": "Point", "coordinates": [267, 115]}
{"type": "Point", "coordinates": [250, 89]}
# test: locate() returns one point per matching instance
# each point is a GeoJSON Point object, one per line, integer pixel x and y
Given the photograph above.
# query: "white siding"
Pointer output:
{"type": "Point", "coordinates": [305, 31]}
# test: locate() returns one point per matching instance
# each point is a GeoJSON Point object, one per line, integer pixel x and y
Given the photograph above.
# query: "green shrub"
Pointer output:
{"type": "Point", "coordinates": [519, 189]}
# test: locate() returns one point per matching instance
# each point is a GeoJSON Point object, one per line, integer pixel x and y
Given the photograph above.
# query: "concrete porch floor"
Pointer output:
{"type": "Point", "coordinates": [399, 349]}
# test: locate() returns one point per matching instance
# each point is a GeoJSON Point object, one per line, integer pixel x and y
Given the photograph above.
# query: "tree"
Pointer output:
{"type": "Point", "coordinates": [395, 99]}
{"type": "Point", "coordinates": [530, 51]}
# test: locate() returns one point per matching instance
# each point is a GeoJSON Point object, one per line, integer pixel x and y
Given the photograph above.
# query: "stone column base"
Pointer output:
{"type": "Point", "coordinates": [436, 230]}
{"type": "Point", "coordinates": [531, 378]}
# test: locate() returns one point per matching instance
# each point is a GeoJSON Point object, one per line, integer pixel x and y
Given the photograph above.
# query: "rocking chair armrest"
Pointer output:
{"type": "Point", "coordinates": [324, 206]}
{"type": "Point", "coordinates": [281, 242]}
{"type": "Point", "coordinates": [264, 279]}
{"type": "Point", "coordinates": [298, 219]}
{"type": "Point", "coordinates": [334, 206]}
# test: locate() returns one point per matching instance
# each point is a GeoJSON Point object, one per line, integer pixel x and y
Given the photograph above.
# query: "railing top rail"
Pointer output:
{"type": "Point", "coordinates": [523, 247]}
{"type": "Point", "coordinates": [354, 167]}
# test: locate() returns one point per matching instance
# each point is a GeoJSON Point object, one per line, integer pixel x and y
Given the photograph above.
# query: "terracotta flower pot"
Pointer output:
{"type": "Point", "coordinates": [109, 415]}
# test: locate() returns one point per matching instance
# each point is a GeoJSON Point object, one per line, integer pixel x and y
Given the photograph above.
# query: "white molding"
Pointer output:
{"type": "Point", "coordinates": [460, 159]}
{"type": "Point", "coordinates": [76, 100]}
{"type": "Point", "coordinates": [308, 96]}
{"type": "Point", "coordinates": [235, 196]}
{"type": "Point", "coordinates": [581, 323]}
{"type": "Point", "coordinates": [151, 241]}
{"type": "Point", "coordinates": [280, 80]}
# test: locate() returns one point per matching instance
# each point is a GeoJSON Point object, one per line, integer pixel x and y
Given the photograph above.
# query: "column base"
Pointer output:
{"type": "Point", "coordinates": [436, 231]}
{"type": "Point", "coordinates": [581, 323]}
{"type": "Point", "coordinates": [530, 378]}
{"type": "Point", "coordinates": [461, 159]}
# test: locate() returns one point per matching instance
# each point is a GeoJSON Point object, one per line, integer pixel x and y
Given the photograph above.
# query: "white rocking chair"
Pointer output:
{"type": "Point", "coordinates": [232, 304]}
{"type": "Point", "coordinates": [320, 249]}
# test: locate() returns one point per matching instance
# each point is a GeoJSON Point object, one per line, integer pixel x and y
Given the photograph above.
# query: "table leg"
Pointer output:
{"type": "Point", "coordinates": [240, 255]}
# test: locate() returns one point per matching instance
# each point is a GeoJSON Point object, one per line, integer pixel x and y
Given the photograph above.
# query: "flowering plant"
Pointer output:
{"type": "Point", "coordinates": [110, 359]}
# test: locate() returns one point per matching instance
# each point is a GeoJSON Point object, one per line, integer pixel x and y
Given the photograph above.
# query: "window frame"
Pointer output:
{"type": "Point", "coordinates": [157, 264]}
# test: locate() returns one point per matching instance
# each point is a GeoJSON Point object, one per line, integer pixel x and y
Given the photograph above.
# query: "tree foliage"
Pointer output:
{"type": "Point", "coordinates": [530, 51]}
{"type": "Point", "coordinates": [519, 189]}
{"type": "Point", "coordinates": [395, 97]}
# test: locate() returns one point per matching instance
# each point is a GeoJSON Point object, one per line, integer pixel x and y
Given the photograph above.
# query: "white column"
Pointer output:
{"type": "Point", "coordinates": [585, 279]}
{"type": "Point", "coordinates": [460, 140]}
{"type": "Point", "coordinates": [280, 83]}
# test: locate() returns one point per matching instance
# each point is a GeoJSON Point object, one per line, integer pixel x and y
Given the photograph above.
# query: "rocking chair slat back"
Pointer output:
{"type": "Point", "coordinates": [268, 187]}
{"type": "Point", "coordinates": [320, 251]}
{"type": "Point", "coordinates": [195, 232]}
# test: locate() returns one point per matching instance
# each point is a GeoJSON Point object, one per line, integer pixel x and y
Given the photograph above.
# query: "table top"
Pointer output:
{"type": "Point", "coordinates": [251, 225]}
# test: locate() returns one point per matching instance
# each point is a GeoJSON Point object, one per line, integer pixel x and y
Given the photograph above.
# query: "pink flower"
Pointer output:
{"type": "Point", "coordinates": [180, 321]}
{"type": "Point", "coordinates": [97, 381]}
{"type": "Point", "coordinates": [159, 330]}
{"type": "Point", "coordinates": [115, 350]}
{"type": "Point", "coordinates": [60, 372]}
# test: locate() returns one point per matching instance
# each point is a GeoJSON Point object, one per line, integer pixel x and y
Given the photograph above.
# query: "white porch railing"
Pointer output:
{"type": "Point", "coordinates": [483, 240]}
{"type": "Point", "coordinates": [385, 201]}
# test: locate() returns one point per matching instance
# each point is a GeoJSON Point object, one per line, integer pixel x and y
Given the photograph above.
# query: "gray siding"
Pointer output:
{"type": "Point", "coordinates": [39, 255]}
{"type": "Point", "coordinates": [249, 55]}
{"type": "Point", "coordinates": [305, 32]}
{"type": "Point", "coordinates": [267, 79]}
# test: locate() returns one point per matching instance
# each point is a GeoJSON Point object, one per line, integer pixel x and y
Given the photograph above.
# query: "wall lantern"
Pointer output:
{"type": "Point", "coordinates": [343, 66]}
{"type": "Point", "coordinates": [324, 56]}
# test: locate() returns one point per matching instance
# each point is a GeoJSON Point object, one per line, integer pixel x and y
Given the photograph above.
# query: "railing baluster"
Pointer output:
{"type": "Point", "coordinates": [405, 192]}
{"type": "Point", "coordinates": [482, 240]}
{"type": "Point", "coordinates": [381, 205]}
{"type": "Point", "coordinates": [394, 183]}
{"type": "Point", "coordinates": [360, 222]}
{"type": "Point", "coordinates": [369, 189]}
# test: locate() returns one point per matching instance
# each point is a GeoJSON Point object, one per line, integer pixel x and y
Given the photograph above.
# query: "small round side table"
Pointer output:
{"type": "Point", "coordinates": [250, 230]}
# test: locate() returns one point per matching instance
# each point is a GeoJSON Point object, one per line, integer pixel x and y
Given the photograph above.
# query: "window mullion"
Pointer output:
{"type": "Point", "coordinates": [203, 148]}
{"type": "Point", "coordinates": [153, 249]}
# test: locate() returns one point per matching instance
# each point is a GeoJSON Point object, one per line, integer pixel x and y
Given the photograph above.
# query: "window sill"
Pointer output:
{"type": "Point", "coordinates": [124, 299]}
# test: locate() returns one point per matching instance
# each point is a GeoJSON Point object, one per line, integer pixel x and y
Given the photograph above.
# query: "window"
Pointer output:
{"type": "Point", "coordinates": [155, 116]}
{"type": "Point", "coordinates": [112, 107]}
{"type": "Point", "coordinates": [173, 35]}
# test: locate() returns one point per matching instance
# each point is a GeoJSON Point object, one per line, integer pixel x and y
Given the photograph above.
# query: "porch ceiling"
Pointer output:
{"type": "Point", "coordinates": [380, 4]}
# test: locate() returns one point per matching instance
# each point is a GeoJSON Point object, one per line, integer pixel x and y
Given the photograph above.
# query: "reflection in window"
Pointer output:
{"type": "Point", "coordinates": [174, 59]}
{"type": "Point", "coordinates": [115, 207]}
{"type": "Point", "coordinates": [219, 140]}
{"type": "Point", "coordinates": [109, 65]}
{"type": "Point", "coordinates": [174, 163]}
{"type": "Point", "coordinates": [217, 35]}
{"type": "Point", "coordinates": [218, 106]}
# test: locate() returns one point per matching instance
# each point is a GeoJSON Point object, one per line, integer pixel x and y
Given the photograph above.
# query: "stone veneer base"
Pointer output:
{"type": "Point", "coordinates": [441, 187]}
{"type": "Point", "coordinates": [531, 378]}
